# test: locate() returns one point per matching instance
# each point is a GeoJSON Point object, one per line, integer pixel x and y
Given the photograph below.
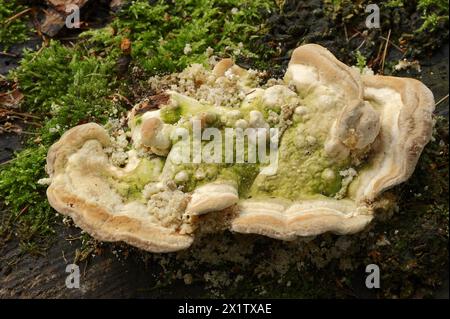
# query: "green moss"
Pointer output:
{"type": "Point", "coordinates": [12, 31]}
{"type": "Point", "coordinates": [432, 11]}
{"type": "Point", "coordinates": [361, 61]}
{"type": "Point", "coordinates": [201, 24]}
{"type": "Point", "coordinates": [65, 86]}
{"type": "Point", "coordinates": [30, 217]}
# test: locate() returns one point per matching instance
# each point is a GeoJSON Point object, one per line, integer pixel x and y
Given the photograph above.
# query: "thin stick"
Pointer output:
{"type": "Point", "coordinates": [356, 34]}
{"type": "Point", "coordinates": [11, 55]}
{"type": "Point", "coordinates": [38, 51]}
{"type": "Point", "coordinates": [360, 46]}
{"type": "Point", "coordinates": [345, 32]}
{"type": "Point", "coordinates": [21, 212]}
{"type": "Point", "coordinates": [6, 111]}
{"type": "Point", "coordinates": [6, 162]}
{"type": "Point", "coordinates": [64, 256]}
{"type": "Point", "coordinates": [385, 51]}
{"type": "Point", "coordinates": [441, 100]}
{"type": "Point", "coordinates": [17, 15]}
{"type": "Point", "coordinates": [394, 45]}
{"type": "Point", "coordinates": [29, 133]}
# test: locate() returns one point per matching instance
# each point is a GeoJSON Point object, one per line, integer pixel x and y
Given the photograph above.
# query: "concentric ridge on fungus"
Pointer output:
{"type": "Point", "coordinates": [346, 139]}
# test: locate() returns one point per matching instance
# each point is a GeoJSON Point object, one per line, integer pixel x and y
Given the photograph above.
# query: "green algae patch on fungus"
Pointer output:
{"type": "Point", "coordinates": [303, 172]}
{"type": "Point", "coordinates": [171, 114]}
{"type": "Point", "coordinates": [182, 106]}
{"type": "Point", "coordinates": [131, 184]}
{"type": "Point", "coordinates": [240, 174]}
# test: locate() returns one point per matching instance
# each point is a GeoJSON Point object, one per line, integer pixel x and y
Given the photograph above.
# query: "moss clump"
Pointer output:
{"type": "Point", "coordinates": [433, 11]}
{"type": "Point", "coordinates": [65, 86]}
{"type": "Point", "coordinates": [361, 61]}
{"type": "Point", "coordinates": [14, 30]}
{"type": "Point", "coordinates": [29, 216]}
{"type": "Point", "coordinates": [166, 37]}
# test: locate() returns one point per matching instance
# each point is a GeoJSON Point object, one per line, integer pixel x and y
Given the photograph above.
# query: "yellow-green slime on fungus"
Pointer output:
{"type": "Point", "coordinates": [130, 185]}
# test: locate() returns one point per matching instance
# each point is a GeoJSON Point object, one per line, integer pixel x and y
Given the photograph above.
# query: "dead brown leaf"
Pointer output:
{"type": "Point", "coordinates": [11, 99]}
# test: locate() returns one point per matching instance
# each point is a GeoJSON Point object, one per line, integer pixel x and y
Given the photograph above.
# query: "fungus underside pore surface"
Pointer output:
{"type": "Point", "coordinates": [93, 80]}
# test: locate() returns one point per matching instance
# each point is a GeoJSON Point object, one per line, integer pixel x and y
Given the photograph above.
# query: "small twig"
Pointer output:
{"type": "Point", "coordinates": [346, 33]}
{"type": "Point", "coordinates": [85, 267]}
{"type": "Point", "coordinates": [36, 23]}
{"type": "Point", "coordinates": [6, 162]}
{"type": "Point", "coordinates": [64, 256]}
{"type": "Point", "coordinates": [39, 51]}
{"type": "Point", "coordinates": [385, 51]}
{"type": "Point", "coordinates": [394, 45]}
{"type": "Point", "coordinates": [11, 55]}
{"type": "Point", "coordinates": [380, 48]}
{"type": "Point", "coordinates": [360, 46]}
{"type": "Point", "coordinates": [18, 113]}
{"type": "Point", "coordinates": [21, 212]}
{"type": "Point", "coordinates": [12, 117]}
{"type": "Point", "coordinates": [17, 15]}
{"type": "Point", "coordinates": [74, 238]}
{"type": "Point", "coordinates": [29, 133]}
{"type": "Point", "coordinates": [441, 100]}
{"type": "Point", "coordinates": [68, 38]}
{"type": "Point", "coordinates": [354, 35]}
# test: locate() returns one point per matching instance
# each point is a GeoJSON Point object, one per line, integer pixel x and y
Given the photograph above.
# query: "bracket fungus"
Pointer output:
{"type": "Point", "coordinates": [345, 139]}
